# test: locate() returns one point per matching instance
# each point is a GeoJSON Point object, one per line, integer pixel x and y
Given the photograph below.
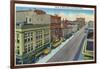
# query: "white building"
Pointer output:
{"type": "Point", "coordinates": [33, 16]}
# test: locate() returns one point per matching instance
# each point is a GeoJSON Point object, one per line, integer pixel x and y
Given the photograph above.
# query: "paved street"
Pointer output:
{"type": "Point", "coordinates": [53, 52]}
{"type": "Point", "coordinates": [70, 50]}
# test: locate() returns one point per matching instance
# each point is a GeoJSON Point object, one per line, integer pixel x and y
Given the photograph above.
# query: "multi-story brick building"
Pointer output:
{"type": "Point", "coordinates": [80, 22]}
{"type": "Point", "coordinates": [69, 27]}
{"type": "Point", "coordinates": [56, 30]}
{"type": "Point", "coordinates": [64, 28]}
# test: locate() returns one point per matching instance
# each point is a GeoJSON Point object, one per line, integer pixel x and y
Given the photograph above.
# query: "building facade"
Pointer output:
{"type": "Point", "coordinates": [69, 27]}
{"type": "Point", "coordinates": [31, 41]}
{"type": "Point", "coordinates": [32, 35]}
{"type": "Point", "coordinates": [80, 22]}
{"type": "Point", "coordinates": [56, 30]}
{"type": "Point", "coordinates": [88, 50]}
{"type": "Point", "coordinates": [64, 25]}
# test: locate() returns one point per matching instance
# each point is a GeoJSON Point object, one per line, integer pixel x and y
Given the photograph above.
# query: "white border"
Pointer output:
{"type": "Point", "coordinates": [45, 6]}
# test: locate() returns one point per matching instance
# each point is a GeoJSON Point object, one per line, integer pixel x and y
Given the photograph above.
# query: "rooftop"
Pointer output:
{"type": "Point", "coordinates": [37, 11]}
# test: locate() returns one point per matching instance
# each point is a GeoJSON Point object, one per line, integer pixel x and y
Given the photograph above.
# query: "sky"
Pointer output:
{"type": "Point", "coordinates": [67, 13]}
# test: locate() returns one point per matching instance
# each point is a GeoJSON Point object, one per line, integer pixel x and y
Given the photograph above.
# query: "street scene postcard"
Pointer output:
{"type": "Point", "coordinates": [53, 34]}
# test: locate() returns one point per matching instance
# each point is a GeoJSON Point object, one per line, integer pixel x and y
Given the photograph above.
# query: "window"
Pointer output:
{"type": "Point", "coordinates": [46, 40]}
{"type": "Point", "coordinates": [56, 20]}
{"type": "Point", "coordinates": [36, 37]}
{"type": "Point", "coordinates": [28, 40]}
{"type": "Point", "coordinates": [38, 43]}
{"type": "Point", "coordinates": [18, 51]}
{"type": "Point", "coordinates": [38, 34]}
{"type": "Point", "coordinates": [18, 47]}
{"type": "Point", "coordinates": [25, 50]}
{"type": "Point", "coordinates": [28, 48]}
{"type": "Point", "coordinates": [90, 35]}
{"type": "Point", "coordinates": [25, 40]}
{"type": "Point", "coordinates": [31, 34]}
{"type": "Point", "coordinates": [29, 19]}
{"type": "Point", "coordinates": [18, 41]}
{"type": "Point", "coordinates": [31, 46]}
{"type": "Point", "coordinates": [17, 36]}
{"type": "Point", "coordinates": [89, 45]}
{"type": "Point", "coordinates": [28, 36]}
{"type": "Point", "coordinates": [31, 38]}
{"type": "Point", "coordinates": [26, 19]}
{"type": "Point", "coordinates": [25, 35]}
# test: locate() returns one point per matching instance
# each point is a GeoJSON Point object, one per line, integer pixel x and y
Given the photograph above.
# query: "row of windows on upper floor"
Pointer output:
{"type": "Point", "coordinates": [29, 46]}
{"type": "Point", "coordinates": [28, 34]}
{"type": "Point", "coordinates": [30, 39]}
{"type": "Point", "coordinates": [28, 19]}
